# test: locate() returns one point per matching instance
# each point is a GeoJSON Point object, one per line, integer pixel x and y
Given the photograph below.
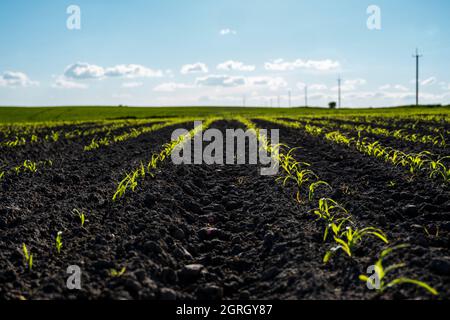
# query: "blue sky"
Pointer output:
{"type": "Point", "coordinates": [216, 52]}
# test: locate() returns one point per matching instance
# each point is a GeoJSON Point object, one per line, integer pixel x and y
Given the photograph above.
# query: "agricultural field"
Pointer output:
{"type": "Point", "coordinates": [96, 189]}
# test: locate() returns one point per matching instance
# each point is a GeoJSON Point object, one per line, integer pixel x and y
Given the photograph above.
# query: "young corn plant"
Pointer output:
{"type": "Point", "coordinates": [81, 215]}
{"type": "Point", "coordinates": [30, 166]}
{"type": "Point", "coordinates": [117, 273]}
{"type": "Point", "coordinates": [314, 186]}
{"type": "Point", "coordinates": [333, 214]}
{"type": "Point", "coordinates": [381, 284]}
{"type": "Point", "coordinates": [349, 238]}
{"type": "Point", "coordinates": [58, 242]}
{"type": "Point", "coordinates": [28, 257]}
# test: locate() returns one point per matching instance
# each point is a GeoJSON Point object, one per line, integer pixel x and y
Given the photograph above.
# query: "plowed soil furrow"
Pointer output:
{"type": "Point", "coordinates": [208, 231]}
{"type": "Point", "coordinates": [33, 208]}
{"type": "Point", "coordinates": [192, 232]}
{"type": "Point", "coordinates": [12, 156]}
{"type": "Point", "coordinates": [381, 195]}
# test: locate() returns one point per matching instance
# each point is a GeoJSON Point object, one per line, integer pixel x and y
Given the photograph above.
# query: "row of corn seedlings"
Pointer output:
{"type": "Point", "coordinates": [438, 140]}
{"type": "Point", "coordinates": [339, 226]}
{"type": "Point", "coordinates": [424, 161]}
{"type": "Point", "coordinates": [436, 129]}
{"type": "Point", "coordinates": [130, 181]}
{"type": "Point", "coordinates": [131, 134]}
{"type": "Point", "coordinates": [26, 137]}
{"type": "Point", "coordinates": [28, 166]}
{"type": "Point", "coordinates": [15, 131]}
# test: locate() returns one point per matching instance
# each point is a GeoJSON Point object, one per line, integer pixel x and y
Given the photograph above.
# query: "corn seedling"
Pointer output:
{"type": "Point", "coordinates": [117, 274]}
{"type": "Point", "coordinates": [329, 210]}
{"type": "Point", "coordinates": [313, 187]}
{"type": "Point", "coordinates": [429, 234]}
{"type": "Point", "coordinates": [81, 215]}
{"type": "Point", "coordinates": [58, 242]}
{"type": "Point", "coordinates": [28, 257]}
{"type": "Point", "coordinates": [348, 240]}
{"type": "Point", "coordinates": [381, 285]}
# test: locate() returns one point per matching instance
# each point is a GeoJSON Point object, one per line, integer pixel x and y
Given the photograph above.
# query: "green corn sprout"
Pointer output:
{"type": "Point", "coordinates": [348, 240]}
{"type": "Point", "coordinates": [381, 285]}
{"type": "Point", "coordinates": [55, 136]}
{"type": "Point", "coordinates": [329, 210]}
{"type": "Point", "coordinates": [117, 274]}
{"type": "Point", "coordinates": [313, 187]}
{"type": "Point", "coordinates": [81, 215]}
{"type": "Point", "coordinates": [28, 257]}
{"type": "Point", "coordinates": [58, 242]}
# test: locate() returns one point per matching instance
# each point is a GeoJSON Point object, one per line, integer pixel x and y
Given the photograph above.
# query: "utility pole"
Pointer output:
{"type": "Point", "coordinates": [244, 102]}
{"type": "Point", "coordinates": [306, 95]}
{"type": "Point", "coordinates": [417, 56]}
{"type": "Point", "coordinates": [279, 105]}
{"type": "Point", "coordinates": [290, 99]}
{"type": "Point", "coordinates": [339, 91]}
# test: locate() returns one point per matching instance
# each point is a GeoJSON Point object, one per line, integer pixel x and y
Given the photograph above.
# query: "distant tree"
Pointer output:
{"type": "Point", "coordinates": [332, 105]}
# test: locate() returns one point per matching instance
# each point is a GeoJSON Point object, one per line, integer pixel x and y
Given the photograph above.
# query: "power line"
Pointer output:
{"type": "Point", "coordinates": [417, 56]}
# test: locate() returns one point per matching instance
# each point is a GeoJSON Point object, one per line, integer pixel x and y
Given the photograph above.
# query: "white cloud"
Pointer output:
{"type": "Point", "coordinates": [398, 87]}
{"type": "Point", "coordinates": [132, 84]}
{"type": "Point", "coordinates": [312, 87]}
{"type": "Point", "coordinates": [16, 79]}
{"type": "Point", "coordinates": [221, 81]}
{"type": "Point", "coordinates": [231, 65]}
{"type": "Point", "coordinates": [355, 82]}
{"type": "Point", "coordinates": [83, 71]}
{"type": "Point", "coordinates": [428, 82]}
{"type": "Point", "coordinates": [132, 71]}
{"type": "Point", "coordinates": [319, 65]}
{"type": "Point", "coordinates": [171, 86]}
{"type": "Point", "coordinates": [63, 83]}
{"type": "Point", "coordinates": [350, 85]}
{"type": "Point", "coordinates": [273, 83]}
{"type": "Point", "coordinates": [227, 31]}
{"type": "Point", "coordinates": [198, 67]}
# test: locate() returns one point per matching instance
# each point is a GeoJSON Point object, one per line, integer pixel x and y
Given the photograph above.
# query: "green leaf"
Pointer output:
{"type": "Point", "coordinates": [415, 282]}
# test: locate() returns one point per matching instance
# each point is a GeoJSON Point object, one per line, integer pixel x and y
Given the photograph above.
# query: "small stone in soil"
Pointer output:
{"type": "Point", "coordinates": [209, 233]}
{"type": "Point", "coordinates": [210, 292]}
{"type": "Point", "coordinates": [411, 210]}
{"type": "Point", "coordinates": [190, 272]}
{"type": "Point", "coordinates": [168, 294]}
{"type": "Point", "coordinates": [441, 266]}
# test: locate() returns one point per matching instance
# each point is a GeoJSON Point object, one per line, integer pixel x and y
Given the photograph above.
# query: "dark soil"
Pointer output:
{"type": "Point", "coordinates": [209, 231]}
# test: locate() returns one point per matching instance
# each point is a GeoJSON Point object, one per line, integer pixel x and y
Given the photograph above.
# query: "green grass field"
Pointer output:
{"type": "Point", "coordinates": [39, 114]}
